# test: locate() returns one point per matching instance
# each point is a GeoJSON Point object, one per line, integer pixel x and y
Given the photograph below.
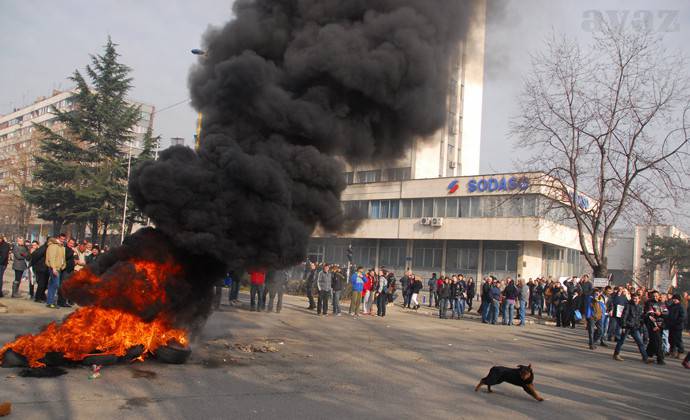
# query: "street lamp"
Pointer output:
{"type": "Point", "coordinates": [197, 142]}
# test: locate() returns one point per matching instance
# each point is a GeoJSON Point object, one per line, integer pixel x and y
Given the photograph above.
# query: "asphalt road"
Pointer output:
{"type": "Point", "coordinates": [406, 365]}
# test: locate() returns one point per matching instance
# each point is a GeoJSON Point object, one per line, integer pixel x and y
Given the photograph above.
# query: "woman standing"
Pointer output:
{"type": "Point", "coordinates": [20, 254]}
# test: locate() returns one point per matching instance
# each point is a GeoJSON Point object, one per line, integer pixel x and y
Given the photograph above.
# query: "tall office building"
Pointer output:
{"type": "Point", "coordinates": [454, 149]}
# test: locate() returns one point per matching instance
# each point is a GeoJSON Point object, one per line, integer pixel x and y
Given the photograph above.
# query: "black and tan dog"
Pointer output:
{"type": "Point", "coordinates": [521, 376]}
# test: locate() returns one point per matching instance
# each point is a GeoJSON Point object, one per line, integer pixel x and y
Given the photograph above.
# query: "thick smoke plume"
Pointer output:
{"type": "Point", "coordinates": [285, 88]}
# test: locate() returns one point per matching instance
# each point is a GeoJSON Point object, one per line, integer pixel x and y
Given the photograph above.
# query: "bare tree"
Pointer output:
{"type": "Point", "coordinates": [608, 126]}
{"type": "Point", "coordinates": [15, 212]}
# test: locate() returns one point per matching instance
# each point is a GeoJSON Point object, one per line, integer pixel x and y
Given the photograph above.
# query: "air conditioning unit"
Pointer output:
{"type": "Point", "coordinates": [425, 220]}
{"type": "Point", "coordinates": [451, 164]}
{"type": "Point", "coordinates": [437, 221]}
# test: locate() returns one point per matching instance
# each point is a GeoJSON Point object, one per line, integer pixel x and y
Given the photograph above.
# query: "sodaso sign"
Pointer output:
{"type": "Point", "coordinates": [498, 184]}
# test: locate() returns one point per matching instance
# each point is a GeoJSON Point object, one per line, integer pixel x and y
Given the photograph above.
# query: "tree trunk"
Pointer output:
{"type": "Point", "coordinates": [104, 235]}
{"type": "Point", "coordinates": [94, 231]}
{"type": "Point", "coordinates": [600, 271]}
{"type": "Point", "coordinates": [57, 226]}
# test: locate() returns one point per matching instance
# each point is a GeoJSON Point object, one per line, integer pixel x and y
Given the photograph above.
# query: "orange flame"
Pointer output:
{"type": "Point", "coordinates": [110, 331]}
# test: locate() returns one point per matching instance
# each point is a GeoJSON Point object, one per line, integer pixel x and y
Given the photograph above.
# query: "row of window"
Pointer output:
{"type": "Point", "coordinates": [378, 175]}
{"type": "Point", "coordinates": [461, 256]}
{"type": "Point", "coordinates": [481, 206]}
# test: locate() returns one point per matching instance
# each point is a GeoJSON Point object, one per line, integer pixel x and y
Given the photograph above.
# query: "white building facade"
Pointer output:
{"type": "Point", "coordinates": [475, 225]}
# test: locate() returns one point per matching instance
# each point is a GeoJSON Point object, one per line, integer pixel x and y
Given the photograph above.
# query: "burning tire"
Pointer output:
{"type": "Point", "coordinates": [173, 354]}
{"type": "Point", "coordinates": [13, 359]}
{"type": "Point", "coordinates": [132, 353]}
{"type": "Point", "coordinates": [53, 359]}
{"type": "Point", "coordinates": [100, 359]}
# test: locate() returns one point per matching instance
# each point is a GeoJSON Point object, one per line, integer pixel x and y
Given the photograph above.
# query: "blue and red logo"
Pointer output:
{"type": "Point", "coordinates": [453, 186]}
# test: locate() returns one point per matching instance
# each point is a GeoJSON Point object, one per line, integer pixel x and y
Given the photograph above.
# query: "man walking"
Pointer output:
{"type": "Point", "coordinates": [381, 294]}
{"type": "Point", "coordinates": [323, 284]}
{"type": "Point", "coordinates": [631, 323]}
{"type": "Point", "coordinates": [654, 322]}
{"type": "Point", "coordinates": [674, 322]}
{"type": "Point", "coordinates": [432, 290]}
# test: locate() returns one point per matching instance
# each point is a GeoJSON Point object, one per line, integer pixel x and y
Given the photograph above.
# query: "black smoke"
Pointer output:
{"type": "Point", "coordinates": [288, 89]}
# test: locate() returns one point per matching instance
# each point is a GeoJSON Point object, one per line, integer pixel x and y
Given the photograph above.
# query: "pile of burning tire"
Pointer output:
{"type": "Point", "coordinates": [172, 353]}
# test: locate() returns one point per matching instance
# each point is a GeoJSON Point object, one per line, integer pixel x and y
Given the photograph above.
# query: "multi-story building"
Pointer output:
{"type": "Point", "coordinates": [19, 141]}
{"type": "Point", "coordinates": [431, 212]}
{"type": "Point", "coordinates": [454, 149]}
{"type": "Point", "coordinates": [476, 225]}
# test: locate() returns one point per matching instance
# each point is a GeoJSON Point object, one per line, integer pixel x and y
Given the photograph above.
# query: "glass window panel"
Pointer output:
{"type": "Point", "coordinates": [385, 206]}
{"type": "Point", "coordinates": [475, 207]}
{"type": "Point", "coordinates": [473, 259]}
{"type": "Point", "coordinates": [451, 207]}
{"type": "Point", "coordinates": [418, 257]}
{"type": "Point", "coordinates": [428, 207]}
{"type": "Point", "coordinates": [464, 208]}
{"type": "Point", "coordinates": [406, 208]}
{"type": "Point", "coordinates": [439, 207]}
{"type": "Point", "coordinates": [374, 208]}
{"type": "Point", "coordinates": [489, 260]}
{"type": "Point", "coordinates": [512, 261]}
{"type": "Point", "coordinates": [428, 257]}
{"type": "Point", "coordinates": [395, 209]}
{"type": "Point", "coordinates": [529, 206]}
{"type": "Point", "coordinates": [417, 205]}
{"type": "Point", "coordinates": [437, 257]}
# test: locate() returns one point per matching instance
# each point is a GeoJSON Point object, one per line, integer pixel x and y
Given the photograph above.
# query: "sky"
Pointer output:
{"type": "Point", "coordinates": [45, 41]}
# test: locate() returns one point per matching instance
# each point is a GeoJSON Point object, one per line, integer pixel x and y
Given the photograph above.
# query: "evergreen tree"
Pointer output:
{"type": "Point", "coordinates": [82, 170]}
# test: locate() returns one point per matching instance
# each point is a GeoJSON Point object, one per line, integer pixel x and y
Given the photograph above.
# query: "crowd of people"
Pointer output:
{"type": "Point", "coordinates": [45, 266]}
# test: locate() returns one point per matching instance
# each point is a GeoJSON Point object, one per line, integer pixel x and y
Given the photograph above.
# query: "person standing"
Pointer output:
{"type": "Point", "coordinates": [94, 255]}
{"type": "Point", "coordinates": [357, 280]}
{"type": "Point", "coordinates": [29, 273]}
{"type": "Point", "coordinates": [70, 263]}
{"type": "Point", "coordinates": [55, 262]}
{"type": "Point", "coordinates": [443, 297]}
{"type": "Point", "coordinates": [277, 289]}
{"type": "Point", "coordinates": [368, 293]}
{"type": "Point", "coordinates": [432, 290]}
{"type": "Point", "coordinates": [381, 294]}
{"type": "Point", "coordinates": [510, 295]}
{"type": "Point", "coordinates": [558, 300]}
{"type": "Point", "coordinates": [525, 293]}
{"type": "Point", "coordinates": [471, 292]}
{"type": "Point", "coordinates": [20, 254]}
{"type": "Point", "coordinates": [495, 296]}
{"type": "Point", "coordinates": [615, 307]}
{"type": "Point", "coordinates": [323, 284]}
{"type": "Point", "coordinates": [257, 280]}
{"type": "Point", "coordinates": [655, 323]}
{"type": "Point", "coordinates": [310, 276]}
{"type": "Point", "coordinates": [41, 272]}
{"type": "Point", "coordinates": [593, 315]}
{"type": "Point", "coordinates": [405, 283]}
{"type": "Point", "coordinates": [416, 288]}
{"type": "Point", "coordinates": [4, 258]}
{"type": "Point", "coordinates": [674, 322]}
{"type": "Point", "coordinates": [485, 306]}
{"type": "Point", "coordinates": [538, 298]}
{"type": "Point", "coordinates": [338, 285]}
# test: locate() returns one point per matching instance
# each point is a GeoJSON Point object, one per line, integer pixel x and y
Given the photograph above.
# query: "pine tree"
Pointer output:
{"type": "Point", "coordinates": [82, 170]}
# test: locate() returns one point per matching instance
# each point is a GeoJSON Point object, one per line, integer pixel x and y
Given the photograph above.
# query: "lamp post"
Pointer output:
{"type": "Point", "coordinates": [124, 210]}
{"type": "Point", "coordinates": [200, 116]}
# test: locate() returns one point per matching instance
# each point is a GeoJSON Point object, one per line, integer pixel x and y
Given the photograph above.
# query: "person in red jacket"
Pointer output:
{"type": "Point", "coordinates": [368, 296]}
{"type": "Point", "coordinates": [257, 278]}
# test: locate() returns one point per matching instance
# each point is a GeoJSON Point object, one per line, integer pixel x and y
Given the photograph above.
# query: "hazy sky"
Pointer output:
{"type": "Point", "coordinates": [44, 41]}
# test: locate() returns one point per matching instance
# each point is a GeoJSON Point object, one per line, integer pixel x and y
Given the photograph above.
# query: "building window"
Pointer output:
{"type": "Point", "coordinates": [397, 174]}
{"type": "Point", "coordinates": [439, 207]}
{"type": "Point", "coordinates": [392, 253]}
{"type": "Point", "coordinates": [349, 178]}
{"type": "Point", "coordinates": [451, 207]}
{"type": "Point", "coordinates": [427, 254]}
{"type": "Point", "coordinates": [417, 205]}
{"type": "Point", "coordinates": [406, 209]}
{"type": "Point", "coordinates": [462, 256]}
{"type": "Point", "coordinates": [366, 177]}
{"type": "Point", "coordinates": [428, 207]}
